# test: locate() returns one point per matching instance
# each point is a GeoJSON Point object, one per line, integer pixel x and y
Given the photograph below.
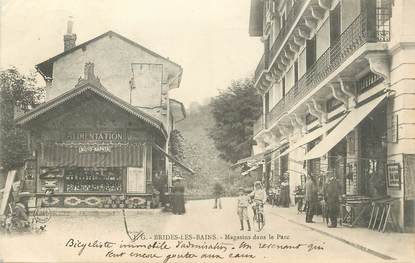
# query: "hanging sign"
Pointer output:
{"type": "Point", "coordinates": [394, 175]}
{"type": "Point", "coordinates": [393, 135]}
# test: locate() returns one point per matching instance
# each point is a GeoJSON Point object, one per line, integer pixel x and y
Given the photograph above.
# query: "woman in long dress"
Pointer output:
{"type": "Point", "coordinates": [178, 197]}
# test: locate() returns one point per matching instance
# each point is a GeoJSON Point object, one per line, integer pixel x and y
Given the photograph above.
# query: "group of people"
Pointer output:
{"type": "Point", "coordinates": [329, 204]}
{"type": "Point", "coordinates": [246, 198]}
{"type": "Point", "coordinates": [257, 198]}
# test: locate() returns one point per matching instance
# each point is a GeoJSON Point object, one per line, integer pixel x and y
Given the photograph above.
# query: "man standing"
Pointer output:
{"type": "Point", "coordinates": [217, 192]}
{"type": "Point", "coordinates": [311, 198]}
{"type": "Point", "coordinates": [331, 196]}
{"type": "Point", "coordinates": [285, 191]}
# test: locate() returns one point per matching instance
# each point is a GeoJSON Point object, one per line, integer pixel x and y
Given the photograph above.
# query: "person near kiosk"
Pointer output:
{"type": "Point", "coordinates": [178, 203]}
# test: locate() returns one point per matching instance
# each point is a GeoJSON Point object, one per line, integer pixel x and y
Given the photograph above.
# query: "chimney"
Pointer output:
{"type": "Point", "coordinates": [69, 39]}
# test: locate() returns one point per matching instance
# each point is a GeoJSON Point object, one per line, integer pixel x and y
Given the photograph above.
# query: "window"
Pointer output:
{"type": "Point", "coordinates": [277, 92]}
{"type": "Point", "coordinates": [383, 15]}
{"type": "Point", "coordinates": [335, 24]}
{"type": "Point", "coordinates": [310, 52]}
{"type": "Point", "coordinates": [289, 79]}
{"type": "Point", "coordinates": [296, 71]}
{"type": "Point", "coordinates": [282, 20]}
{"type": "Point", "coordinates": [271, 97]}
{"type": "Point", "coordinates": [267, 102]}
{"type": "Point", "coordinates": [302, 67]}
{"type": "Point", "coordinates": [283, 87]}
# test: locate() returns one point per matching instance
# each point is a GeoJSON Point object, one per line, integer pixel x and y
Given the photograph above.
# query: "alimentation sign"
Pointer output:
{"type": "Point", "coordinates": [95, 136]}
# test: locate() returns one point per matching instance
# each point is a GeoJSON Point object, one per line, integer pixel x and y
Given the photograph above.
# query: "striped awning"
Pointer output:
{"type": "Point", "coordinates": [98, 155]}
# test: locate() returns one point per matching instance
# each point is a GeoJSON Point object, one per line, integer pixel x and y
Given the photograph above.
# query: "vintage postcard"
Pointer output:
{"type": "Point", "coordinates": [207, 131]}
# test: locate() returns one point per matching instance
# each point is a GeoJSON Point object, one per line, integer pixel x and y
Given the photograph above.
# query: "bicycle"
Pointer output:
{"type": "Point", "coordinates": [259, 217]}
{"type": "Point", "coordinates": [13, 223]}
{"type": "Point", "coordinates": [42, 214]}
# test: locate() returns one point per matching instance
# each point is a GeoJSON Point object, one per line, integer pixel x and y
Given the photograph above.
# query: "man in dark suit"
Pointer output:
{"type": "Point", "coordinates": [217, 193]}
{"type": "Point", "coordinates": [311, 198]}
{"type": "Point", "coordinates": [331, 196]}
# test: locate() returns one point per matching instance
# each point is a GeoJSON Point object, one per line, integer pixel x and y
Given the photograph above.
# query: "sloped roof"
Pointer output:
{"type": "Point", "coordinates": [45, 68]}
{"type": "Point", "coordinates": [99, 91]}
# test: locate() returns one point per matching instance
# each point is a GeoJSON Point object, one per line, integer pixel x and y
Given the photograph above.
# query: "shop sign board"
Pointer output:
{"type": "Point", "coordinates": [94, 148]}
{"type": "Point", "coordinates": [393, 132]}
{"type": "Point", "coordinates": [94, 136]}
{"type": "Point", "coordinates": [394, 175]}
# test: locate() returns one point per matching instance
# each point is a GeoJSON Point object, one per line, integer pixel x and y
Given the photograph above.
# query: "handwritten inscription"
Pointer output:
{"type": "Point", "coordinates": [179, 248]}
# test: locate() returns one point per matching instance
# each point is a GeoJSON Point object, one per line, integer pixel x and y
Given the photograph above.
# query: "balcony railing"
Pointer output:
{"type": "Point", "coordinates": [354, 37]}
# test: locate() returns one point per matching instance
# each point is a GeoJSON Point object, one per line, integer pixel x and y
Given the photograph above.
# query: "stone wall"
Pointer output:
{"type": "Point", "coordinates": [113, 58]}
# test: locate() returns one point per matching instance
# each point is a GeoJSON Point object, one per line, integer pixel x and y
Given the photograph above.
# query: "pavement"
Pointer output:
{"type": "Point", "coordinates": [82, 238]}
{"type": "Point", "coordinates": [358, 237]}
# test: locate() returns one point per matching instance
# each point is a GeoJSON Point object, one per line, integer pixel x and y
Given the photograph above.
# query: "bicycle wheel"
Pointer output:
{"type": "Point", "coordinates": [42, 214]}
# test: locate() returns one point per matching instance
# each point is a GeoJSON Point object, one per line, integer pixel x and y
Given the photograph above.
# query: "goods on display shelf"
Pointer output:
{"type": "Point", "coordinates": [93, 179]}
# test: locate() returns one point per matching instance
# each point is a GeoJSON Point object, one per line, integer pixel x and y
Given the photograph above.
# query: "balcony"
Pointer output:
{"type": "Point", "coordinates": [292, 14]}
{"type": "Point", "coordinates": [360, 32]}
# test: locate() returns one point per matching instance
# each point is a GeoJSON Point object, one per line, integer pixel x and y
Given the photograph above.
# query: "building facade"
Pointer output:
{"type": "Point", "coordinates": [101, 137]}
{"type": "Point", "coordinates": [336, 78]}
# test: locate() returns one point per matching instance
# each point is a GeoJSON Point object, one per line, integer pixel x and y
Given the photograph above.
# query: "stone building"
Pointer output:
{"type": "Point", "coordinates": [101, 138]}
{"type": "Point", "coordinates": [336, 80]}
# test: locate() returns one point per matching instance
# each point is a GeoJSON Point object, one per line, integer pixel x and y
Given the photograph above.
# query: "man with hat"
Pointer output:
{"type": "Point", "coordinates": [311, 198]}
{"type": "Point", "coordinates": [331, 197]}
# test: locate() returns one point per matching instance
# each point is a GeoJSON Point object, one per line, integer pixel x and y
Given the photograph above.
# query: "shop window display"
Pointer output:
{"type": "Point", "coordinates": [82, 179]}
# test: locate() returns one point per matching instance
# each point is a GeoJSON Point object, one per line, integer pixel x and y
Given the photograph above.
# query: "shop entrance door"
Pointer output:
{"type": "Point", "coordinates": [337, 163]}
{"type": "Point", "coordinates": [372, 133]}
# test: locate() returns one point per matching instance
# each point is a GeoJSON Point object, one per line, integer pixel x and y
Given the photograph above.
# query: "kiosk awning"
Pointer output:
{"type": "Point", "coordinates": [312, 135]}
{"type": "Point", "coordinates": [161, 150]}
{"type": "Point", "coordinates": [60, 155]}
{"type": "Point", "coordinates": [349, 123]}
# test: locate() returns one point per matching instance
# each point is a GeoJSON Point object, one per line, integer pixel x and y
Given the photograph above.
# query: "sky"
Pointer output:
{"type": "Point", "coordinates": [208, 38]}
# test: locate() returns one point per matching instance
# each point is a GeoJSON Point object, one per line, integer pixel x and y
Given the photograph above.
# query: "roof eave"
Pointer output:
{"type": "Point", "coordinates": [43, 108]}
{"type": "Point", "coordinates": [109, 33]}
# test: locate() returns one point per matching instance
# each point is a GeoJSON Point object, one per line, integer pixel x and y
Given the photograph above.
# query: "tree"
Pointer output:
{"type": "Point", "coordinates": [235, 111]}
{"type": "Point", "coordinates": [17, 92]}
{"type": "Point", "coordinates": [176, 144]}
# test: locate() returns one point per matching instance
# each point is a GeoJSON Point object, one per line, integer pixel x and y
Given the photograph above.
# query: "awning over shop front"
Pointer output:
{"type": "Point", "coordinates": [253, 160]}
{"type": "Point", "coordinates": [348, 124]}
{"type": "Point", "coordinates": [92, 155]}
{"type": "Point", "coordinates": [253, 168]}
{"type": "Point", "coordinates": [161, 150]}
{"type": "Point", "coordinates": [312, 135]}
